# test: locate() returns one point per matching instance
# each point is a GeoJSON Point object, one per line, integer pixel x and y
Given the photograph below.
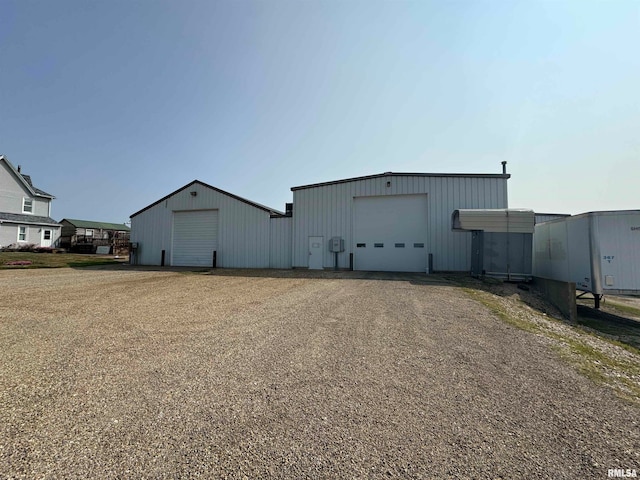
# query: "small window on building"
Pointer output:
{"type": "Point", "coordinates": [399, 245]}
{"type": "Point", "coordinates": [418, 245]}
{"type": "Point", "coordinates": [27, 205]}
{"type": "Point", "coordinates": [47, 234]}
{"type": "Point", "coordinates": [361, 245]}
{"type": "Point", "coordinates": [22, 234]}
{"type": "Point", "coordinates": [378, 245]}
{"type": "Point", "coordinates": [88, 233]}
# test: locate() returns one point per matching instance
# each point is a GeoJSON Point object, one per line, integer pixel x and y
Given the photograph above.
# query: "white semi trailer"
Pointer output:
{"type": "Point", "coordinates": [599, 251]}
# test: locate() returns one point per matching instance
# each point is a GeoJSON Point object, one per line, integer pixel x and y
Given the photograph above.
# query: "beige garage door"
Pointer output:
{"type": "Point", "coordinates": [390, 233]}
{"type": "Point", "coordinates": [195, 237]}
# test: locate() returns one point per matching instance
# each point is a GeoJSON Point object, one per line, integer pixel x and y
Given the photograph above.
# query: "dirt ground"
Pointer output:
{"type": "Point", "coordinates": [122, 372]}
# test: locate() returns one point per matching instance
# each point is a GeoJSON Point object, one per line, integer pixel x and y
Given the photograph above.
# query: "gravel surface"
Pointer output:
{"type": "Point", "coordinates": [130, 373]}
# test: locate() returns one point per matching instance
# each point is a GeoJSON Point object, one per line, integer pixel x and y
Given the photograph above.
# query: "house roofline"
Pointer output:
{"type": "Point", "coordinates": [235, 197]}
{"type": "Point", "coordinates": [396, 174]}
{"type": "Point", "coordinates": [30, 222]}
{"type": "Point", "coordinates": [33, 190]}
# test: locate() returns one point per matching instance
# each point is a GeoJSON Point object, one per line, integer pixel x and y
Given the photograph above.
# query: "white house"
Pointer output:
{"type": "Point", "coordinates": [25, 211]}
{"type": "Point", "coordinates": [385, 222]}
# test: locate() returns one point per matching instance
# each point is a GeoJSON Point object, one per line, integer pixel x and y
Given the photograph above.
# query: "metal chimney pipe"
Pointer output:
{"type": "Point", "coordinates": [504, 167]}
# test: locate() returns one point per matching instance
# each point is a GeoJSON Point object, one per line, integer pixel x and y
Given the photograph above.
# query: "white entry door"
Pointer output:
{"type": "Point", "coordinates": [316, 251]}
{"type": "Point", "coordinates": [46, 237]}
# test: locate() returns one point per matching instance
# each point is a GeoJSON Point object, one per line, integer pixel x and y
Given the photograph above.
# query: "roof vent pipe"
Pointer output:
{"type": "Point", "coordinates": [19, 168]}
{"type": "Point", "coordinates": [504, 167]}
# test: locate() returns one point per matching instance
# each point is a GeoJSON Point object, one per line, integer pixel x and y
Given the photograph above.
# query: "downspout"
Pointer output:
{"type": "Point", "coordinates": [508, 241]}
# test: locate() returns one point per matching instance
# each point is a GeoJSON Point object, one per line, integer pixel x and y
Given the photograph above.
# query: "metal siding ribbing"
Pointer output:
{"type": "Point", "coordinates": [243, 230]}
{"type": "Point", "coordinates": [152, 231]}
{"type": "Point", "coordinates": [195, 237]}
{"type": "Point", "coordinates": [280, 246]}
{"type": "Point", "coordinates": [327, 211]}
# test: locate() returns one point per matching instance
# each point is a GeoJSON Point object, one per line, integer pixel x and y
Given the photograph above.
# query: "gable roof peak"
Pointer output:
{"type": "Point", "coordinates": [25, 179]}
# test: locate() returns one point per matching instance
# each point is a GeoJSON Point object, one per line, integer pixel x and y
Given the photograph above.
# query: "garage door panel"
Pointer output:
{"type": "Point", "coordinates": [195, 237]}
{"type": "Point", "coordinates": [390, 233]}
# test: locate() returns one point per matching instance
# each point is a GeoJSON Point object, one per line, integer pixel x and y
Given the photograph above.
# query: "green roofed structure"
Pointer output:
{"type": "Point", "coordinates": [85, 236]}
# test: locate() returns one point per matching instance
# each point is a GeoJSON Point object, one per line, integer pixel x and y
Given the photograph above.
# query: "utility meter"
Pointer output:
{"type": "Point", "coordinates": [336, 244]}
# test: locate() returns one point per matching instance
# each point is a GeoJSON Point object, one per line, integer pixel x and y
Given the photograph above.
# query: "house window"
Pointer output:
{"type": "Point", "coordinates": [89, 233]}
{"type": "Point", "coordinates": [47, 235]}
{"type": "Point", "coordinates": [22, 234]}
{"type": "Point", "coordinates": [27, 205]}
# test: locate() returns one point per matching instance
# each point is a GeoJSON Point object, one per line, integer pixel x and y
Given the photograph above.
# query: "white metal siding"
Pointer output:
{"type": "Point", "coordinates": [327, 211]}
{"type": "Point", "coordinates": [588, 248]}
{"type": "Point", "coordinates": [619, 248]}
{"type": "Point", "coordinates": [390, 233]}
{"type": "Point", "coordinates": [243, 229]}
{"type": "Point", "coordinates": [280, 246]}
{"type": "Point", "coordinates": [195, 238]}
{"type": "Point", "coordinates": [550, 251]}
{"type": "Point", "coordinates": [562, 251]}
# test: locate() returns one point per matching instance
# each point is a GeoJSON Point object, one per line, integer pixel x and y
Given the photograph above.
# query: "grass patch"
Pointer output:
{"type": "Point", "coordinates": [497, 310]}
{"type": "Point", "coordinates": [52, 260]}
{"type": "Point", "coordinates": [578, 347]}
{"type": "Point", "coordinates": [601, 368]}
{"type": "Point", "coordinates": [623, 308]}
{"type": "Point", "coordinates": [627, 337]}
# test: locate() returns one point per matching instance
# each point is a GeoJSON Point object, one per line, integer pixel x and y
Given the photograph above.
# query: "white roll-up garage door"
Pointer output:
{"type": "Point", "coordinates": [390, 233]}
{"type": "Point", "coordinates": [195, 237]}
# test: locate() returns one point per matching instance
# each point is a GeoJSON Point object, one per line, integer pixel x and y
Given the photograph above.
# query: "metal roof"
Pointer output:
{"type": "Point", "coordinates": [400, 174]}
{"type": "Point", "coordinates": [271, 211]}
{"type": "Point", "coordinates": [27, 219]}
{"type": "Point", "coordinates": [121, 227]}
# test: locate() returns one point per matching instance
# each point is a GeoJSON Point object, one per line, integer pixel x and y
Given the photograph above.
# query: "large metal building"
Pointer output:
{"type": "Point", "coordinates": [187, 226]}
{"type": "Point", "coordinates": [385, 222]}
{"type": "Point", "coordinates": [391, 221]}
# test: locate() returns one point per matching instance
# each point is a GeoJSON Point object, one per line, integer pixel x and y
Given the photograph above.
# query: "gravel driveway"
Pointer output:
{"type": "Point", "coordinates": [122, 373]}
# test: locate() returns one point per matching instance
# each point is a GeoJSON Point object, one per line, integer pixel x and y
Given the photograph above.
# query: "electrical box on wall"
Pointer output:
{"type": "Point", "coordinates": [336, 244]}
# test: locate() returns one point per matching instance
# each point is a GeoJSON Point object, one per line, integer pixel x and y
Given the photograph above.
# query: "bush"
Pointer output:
{"type": "Point", "coordinates": [19, 247]}
{"type": "Point", "coordinates": [26, 247]}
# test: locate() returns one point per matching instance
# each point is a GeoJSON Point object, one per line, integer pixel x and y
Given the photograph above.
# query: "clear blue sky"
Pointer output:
{"type": "Point", "coordinates": [110, 105]}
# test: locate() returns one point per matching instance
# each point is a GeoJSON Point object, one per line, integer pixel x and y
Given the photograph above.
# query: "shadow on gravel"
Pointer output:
{"type": "Point", "coordinates": [523, 291]}
{"type": "Point", "coordinates": [612, 325]}
{"type": "Point", "coordinates": [413, 278]}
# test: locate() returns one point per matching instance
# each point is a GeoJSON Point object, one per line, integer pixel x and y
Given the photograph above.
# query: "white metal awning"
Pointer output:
{"type": "Point", "coordinates": [509, 220]}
